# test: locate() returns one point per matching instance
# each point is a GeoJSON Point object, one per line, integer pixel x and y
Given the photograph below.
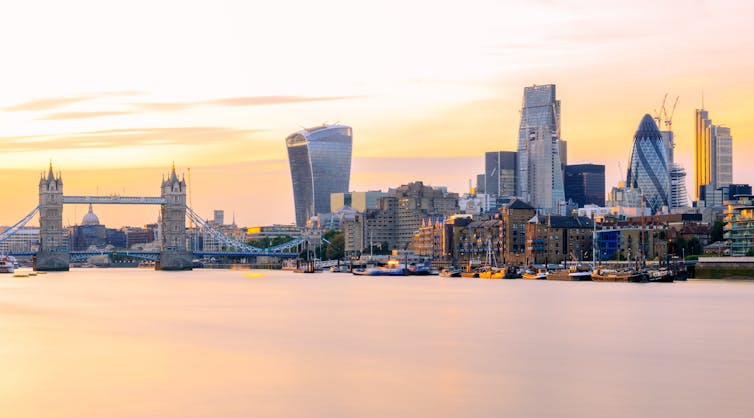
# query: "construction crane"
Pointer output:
{"type": "Point", "coordinates": [659, 113]}
{"type": "Point", "coordinates": [669, 117]}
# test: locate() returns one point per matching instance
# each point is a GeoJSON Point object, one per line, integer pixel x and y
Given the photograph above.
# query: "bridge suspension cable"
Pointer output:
{"type": "Point", "coordinates": [18, 225]}
{"type": "Point", "coordinates": [238, 245]}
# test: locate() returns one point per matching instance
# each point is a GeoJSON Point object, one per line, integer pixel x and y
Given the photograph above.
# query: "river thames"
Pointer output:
{"type": "Point", "coordinates": [208, 343]}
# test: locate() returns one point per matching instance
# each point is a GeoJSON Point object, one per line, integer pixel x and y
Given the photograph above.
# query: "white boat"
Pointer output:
{"type": "Point", "coordinates": [6, 265]}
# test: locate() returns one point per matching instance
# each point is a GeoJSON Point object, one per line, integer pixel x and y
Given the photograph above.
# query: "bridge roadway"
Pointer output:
{"type": "Point", "coordinates": [150, 254]}
{"type": "Point", "coordinates": [114, 200]}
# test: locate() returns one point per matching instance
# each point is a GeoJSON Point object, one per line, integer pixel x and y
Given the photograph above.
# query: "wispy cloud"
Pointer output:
{"type": "Point", "coordinates": [52, 103]}
{"type": "Point", "coordinates": [238, 102]}
{"type": "Point", "coordinates": [84, 115]}
{"type": "Point", "coordinates": [114, 138]}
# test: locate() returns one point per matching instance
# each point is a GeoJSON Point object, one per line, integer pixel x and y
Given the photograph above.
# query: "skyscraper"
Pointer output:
{"type": "Point", "coordinates": [702, 152]}
{"type": "Point", "coordinates": [713, 154]}
{"type": "Point", "coordinates": [540, 111]}
{"type": "Point", "coordinates": [544, 172]}
{"type": "Point", "coordinates": [648, 167]}
{"type": "Point", "coordinates": [585, 184]}
{"type": "Point", "coordinates": [320, 162]}
{"type": "Point", "coordinates": [500, 173]}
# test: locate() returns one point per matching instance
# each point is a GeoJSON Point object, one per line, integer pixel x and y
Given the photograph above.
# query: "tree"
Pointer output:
{"type": "Point", "coordinates": [717, 231]}
{"type": "Point", "coordinates": [336, 247]}
{"type": "Point", "coordinates": [694, 247]}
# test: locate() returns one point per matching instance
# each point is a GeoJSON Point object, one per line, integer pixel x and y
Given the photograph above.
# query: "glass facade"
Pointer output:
{"type": "Point", "coordinates": [320, 163]}
{"type": "Point", "coordinates": [648, 169]}
{"type": "Point", "coordinates": [539, 109]}
{"type": "Point", "coordinates": [545, 171]}
{"type": "Point", "coordinates": [585, 184]}
{"type": "Point", "coordinates": [500, 173]}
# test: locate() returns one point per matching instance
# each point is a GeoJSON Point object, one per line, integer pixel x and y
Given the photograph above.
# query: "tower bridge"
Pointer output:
{"type": "Point", "coordinates": [54, 255]}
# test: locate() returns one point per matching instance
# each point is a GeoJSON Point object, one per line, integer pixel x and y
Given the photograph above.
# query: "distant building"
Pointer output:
{"type": "Point", "coordinates": [585, 184]}
{"type": "Point", "coordinates": [361, 201]}
{"type": "Point", "coordinates": [400, 213]}
{"type": "Point", "coordinates": [648, 168]}
{"type": "Point", "coordinates": [540, 121]}
{"type": "Point", "coordinates": [678, 194]}
{"type": "Point", "coordinates": [480, 184]}
{"type": "Point", "coordinates": [272, 231]}
{"type": "Point", "coordinates": [219, 218]}
{"type": "Point", "coordinates": [91, 234]}
{"type": "Point", "coordinates": [500, 173]}
{"type": "Point", "coordinates": [545, 172]}
{"type": "Point", "coordinates": [739, 226]}
{"type": "Point", "coordinates": [713, 154]}
{"type": "Point", "coordinates": [320, 163]}
{"type": "Point", "coordinates": [25, 240]}
{"type": "Point", "coordinates": [554, 239]}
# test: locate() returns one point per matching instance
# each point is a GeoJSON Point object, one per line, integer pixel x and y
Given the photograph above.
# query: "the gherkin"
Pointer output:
{"type": "Point", "coordinates": [648, 167]}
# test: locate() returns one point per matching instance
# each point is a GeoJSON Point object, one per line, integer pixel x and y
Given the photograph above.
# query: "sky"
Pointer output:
{"type": "Point", "coordinates": [113, 92]}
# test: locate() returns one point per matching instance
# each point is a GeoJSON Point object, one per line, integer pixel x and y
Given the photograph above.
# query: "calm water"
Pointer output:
{"type": "Point", "coordinates": [139, 343]}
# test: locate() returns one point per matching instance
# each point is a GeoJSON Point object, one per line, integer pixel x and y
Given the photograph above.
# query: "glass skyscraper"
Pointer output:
{"type": "Point", "coordinates": [540, 118]}
{"type": "Point", "coordinates": [500, 173]}
{"type": "Point", "coordinates": [713, 154]}
{"type": "Point", "coordinates": [648, 169]}
{"type": "Point", "coordinates": [585, 184]}
{"type": "Point", "coordinates": [320, 162]}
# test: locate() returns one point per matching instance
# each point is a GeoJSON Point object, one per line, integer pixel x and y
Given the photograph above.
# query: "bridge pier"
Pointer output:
{"type": "Point", "coordinates": [53, 254]}
{"type": "Point", "coordinates": [173, 254]}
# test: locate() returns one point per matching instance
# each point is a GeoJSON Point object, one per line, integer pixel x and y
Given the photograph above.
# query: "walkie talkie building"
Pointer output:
{"type": "Point", "coordinates": [320, 162]}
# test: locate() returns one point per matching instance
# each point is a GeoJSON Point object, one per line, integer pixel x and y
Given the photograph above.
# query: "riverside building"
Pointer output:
{"type": "Point", "coordinates": [320, 163]}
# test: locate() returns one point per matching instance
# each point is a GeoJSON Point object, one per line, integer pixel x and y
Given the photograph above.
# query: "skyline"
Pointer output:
{"type": "Point", "coordinates": [216, 92]}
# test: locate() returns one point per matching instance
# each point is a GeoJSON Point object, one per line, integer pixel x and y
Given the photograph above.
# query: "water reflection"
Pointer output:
{"type": "Point", "coordinates": [126, 343]}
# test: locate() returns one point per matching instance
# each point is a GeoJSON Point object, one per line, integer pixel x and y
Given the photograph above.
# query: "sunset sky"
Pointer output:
{"type": "Point", "coordinates": [113, 92]}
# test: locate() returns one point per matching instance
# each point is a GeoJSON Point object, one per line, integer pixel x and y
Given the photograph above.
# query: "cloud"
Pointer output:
{"type": "Point", "coordinates": [238, 102]}
{"type": "Point", "coordinates": [135, 137]}
{"type": "Point", "coordinates": [84, 115]}
{"type": "Point", "coordinates": [51, 103]}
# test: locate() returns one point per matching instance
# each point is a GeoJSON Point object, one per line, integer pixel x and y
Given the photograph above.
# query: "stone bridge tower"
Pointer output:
{"type": "Point", "coordinates": [173, 252]}
{"type": "Point", "coordinates": [53, 254]}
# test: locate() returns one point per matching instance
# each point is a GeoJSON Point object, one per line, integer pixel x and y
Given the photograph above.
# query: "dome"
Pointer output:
{"type": "Point", "coordinates": [90, 218]}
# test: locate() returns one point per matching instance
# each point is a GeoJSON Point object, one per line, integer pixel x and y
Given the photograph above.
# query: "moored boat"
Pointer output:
{"type": "Point", "coordinates": [610, 275]}
{"type": "Point", "coordinates": [6, 265]}
{"type": "Point", "coordinates": [491, 273]}
{"type": "Point", "coordinates": [451, 272]}
{"type": "Point", "coordinates": [535, 274]}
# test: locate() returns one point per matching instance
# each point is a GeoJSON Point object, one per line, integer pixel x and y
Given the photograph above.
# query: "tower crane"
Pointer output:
{"type": "Point", "coordinates": [669, 117]}
{"type": "Point", "coordinates": [659, 113]}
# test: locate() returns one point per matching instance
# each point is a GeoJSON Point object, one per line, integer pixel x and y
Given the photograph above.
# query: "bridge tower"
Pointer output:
{"type": "Point", "coordinates": [173, 253]}
{"type": "Point", "coordinates": [53, 254]}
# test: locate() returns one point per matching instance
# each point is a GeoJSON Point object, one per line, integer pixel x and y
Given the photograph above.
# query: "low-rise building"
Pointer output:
{"type": "Point", "coordinates": [739, 226]}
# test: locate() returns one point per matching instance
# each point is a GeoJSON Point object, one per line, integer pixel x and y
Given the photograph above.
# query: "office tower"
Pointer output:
{"type": "Point", "coordinates": [500, 173]}
{"type": "Point", "coordinates": [219, 218]}
{"type": "Point", "coordinates": [722, 162]}
{"type": "Point", "coordinates": [702, 152]}
{"type": "Point", "coordinates": [648, 167]}
{"type": "Point", "coordinates": [585, 184]}
{"type": "Point", "coordinates": [480, 181]}
{"type": "Point", "coordinates": [713, 154]}
{"type": "Point", "coordinates": [320, 162]}
{"type": "Point", "coordinates": [540, 110]}
{"type": "Point", "coordinates": [678, 194]}
{"type": "Point", "coordinates": [544, 172]}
